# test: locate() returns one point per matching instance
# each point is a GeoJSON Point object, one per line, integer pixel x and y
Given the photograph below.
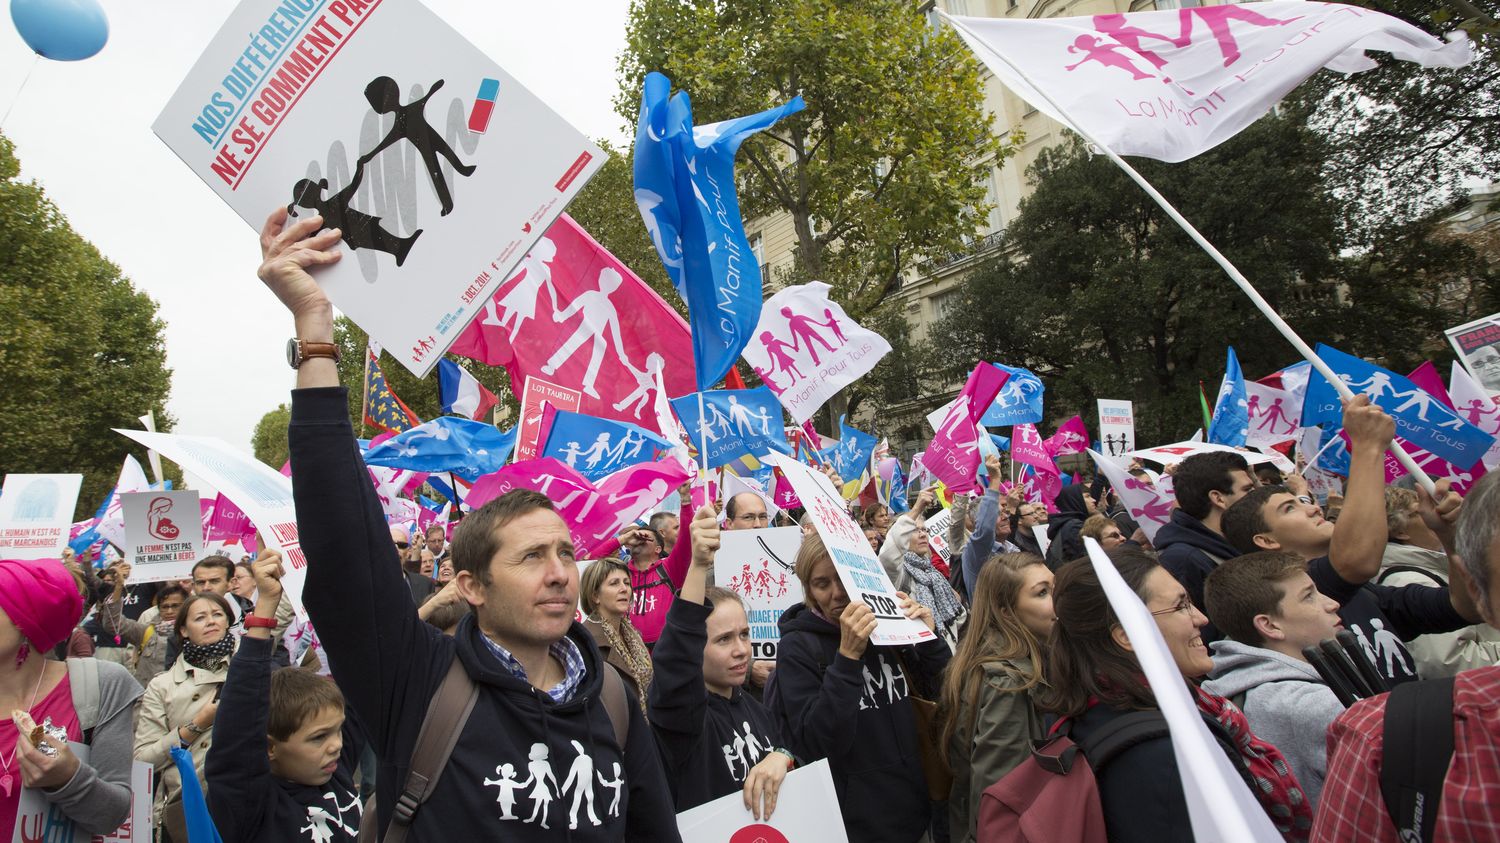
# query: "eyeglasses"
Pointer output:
{"type": "Point", "coordinates": [403, 545]}
{"type": "Point", "coordinates": [1184, 605]}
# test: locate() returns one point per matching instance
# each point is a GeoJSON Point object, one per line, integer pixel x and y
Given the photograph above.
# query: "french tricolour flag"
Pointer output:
{"type": "Point", "coordinates": [462, 394]}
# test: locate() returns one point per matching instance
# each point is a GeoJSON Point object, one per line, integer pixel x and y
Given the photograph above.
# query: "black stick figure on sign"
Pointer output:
{"type": "Point", "coordinates": [411, 124]}
{"type": "Point", "coordinates": [360, 230]}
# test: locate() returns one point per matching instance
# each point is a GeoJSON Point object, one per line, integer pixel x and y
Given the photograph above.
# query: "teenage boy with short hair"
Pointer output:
{"type": "Point", "coordinates": [1342, 559]}
{"type": "Point", "coordinates": [1270, 610]}
{"type": "Point", "coordinates": [282, 763]}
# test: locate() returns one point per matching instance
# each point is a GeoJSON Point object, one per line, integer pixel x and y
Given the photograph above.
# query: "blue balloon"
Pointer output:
{"type": "Point", "coordinates": [62, 30]}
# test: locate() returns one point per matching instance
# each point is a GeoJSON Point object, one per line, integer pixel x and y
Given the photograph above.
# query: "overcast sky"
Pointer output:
{"type": "Point", "coordinates": [83, 130]}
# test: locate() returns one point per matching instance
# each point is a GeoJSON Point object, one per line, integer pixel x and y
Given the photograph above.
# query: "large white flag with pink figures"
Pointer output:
{"type": "Point", "coordinates": [575, 317]}
{"type": "Point", "coordinates": [1172, 84]}
{"type": "Point", "coordinates": [1275, 415]}
{"type": "Point", "coordinates": [806, 348]}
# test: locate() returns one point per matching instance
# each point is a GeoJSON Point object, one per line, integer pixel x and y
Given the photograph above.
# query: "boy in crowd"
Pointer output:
{"type": "Point", "coordinates": [285, 770]}
{"type": "Point", "coordinates": [1342, 559]}
{"type": "Point", "coordinates": [1269, 609]}
{"type": "Point", "coordinates": [1359, 744]}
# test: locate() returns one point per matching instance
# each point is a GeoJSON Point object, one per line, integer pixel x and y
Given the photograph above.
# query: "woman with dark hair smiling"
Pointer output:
{"type": "Point", "coordinates": [1093, 680]}
{"type": "Point", "coordinates": [179, 706]}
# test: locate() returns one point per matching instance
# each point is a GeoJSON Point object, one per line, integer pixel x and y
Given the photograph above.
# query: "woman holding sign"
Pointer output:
{"type": "Point", "coordinates": [842, 699]}
{"type": "Point", "coordinates": [715, 738]}
{"type": "Point", "coordinates": [49, 704]}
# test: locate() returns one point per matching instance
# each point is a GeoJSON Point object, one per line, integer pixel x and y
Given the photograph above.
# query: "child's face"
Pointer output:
{"type": "Point", "coordinates": [310, 755]}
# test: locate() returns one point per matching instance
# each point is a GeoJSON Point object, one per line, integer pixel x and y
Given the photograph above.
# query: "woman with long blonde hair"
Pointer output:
{"type": "Point", "coordinates": [988, 720]}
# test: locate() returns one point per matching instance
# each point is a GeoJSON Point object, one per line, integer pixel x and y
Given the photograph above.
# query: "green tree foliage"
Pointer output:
{"type": "Point", "coordinates": [269, 440]}
{"type": "Point", "coordinates": [81, 349]}
{"type": "Point", "coordinates": [1404, 138]}
{"type": "Point", "coordinates": [883, 166]}
{"type": "Point", "coordinates": [419, 394]}
{"type": "Point", "coordinates": [1104, 297]}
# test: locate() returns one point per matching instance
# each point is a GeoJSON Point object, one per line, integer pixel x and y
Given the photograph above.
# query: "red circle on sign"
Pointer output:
{"type": "Point", "coordinates": [758, 833]}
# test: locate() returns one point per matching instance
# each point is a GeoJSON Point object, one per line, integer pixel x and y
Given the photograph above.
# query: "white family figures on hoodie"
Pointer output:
{"type": "Point", "coordinates": [580, 780]}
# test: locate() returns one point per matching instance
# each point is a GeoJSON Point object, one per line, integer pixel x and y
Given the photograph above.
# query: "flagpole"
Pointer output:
{"type": "Point", "coordinates": [1229, 269]}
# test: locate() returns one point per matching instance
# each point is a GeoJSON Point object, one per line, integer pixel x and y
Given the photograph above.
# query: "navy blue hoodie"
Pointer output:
{"type": "Point", "coordinates": [246, 801]}
{"type": "Point", "coordinates": [709, 743]}
{"type": "Point", "coordinates": [1184, 546]}
{"type": "Point", "coordinates": [856, 714]}
{"type": "Point", "coordinates": [525, 767]}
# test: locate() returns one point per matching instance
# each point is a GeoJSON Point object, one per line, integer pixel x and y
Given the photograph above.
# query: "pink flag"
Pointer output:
{"type": "Point", "coordinates": [228, 522]}
{"type": "Point", "coordinates": [786, 497]}
{"type": "Point", "coordinates": [1027, 448]}
{"type": "Point", "coordinates": [576, 318]}
{"type": "Point", "coordinates": [953, 454]}
{"type": "Point", "coordinates": [1071, 438]}
{"type": "Point", "coordinates": [593, 514]}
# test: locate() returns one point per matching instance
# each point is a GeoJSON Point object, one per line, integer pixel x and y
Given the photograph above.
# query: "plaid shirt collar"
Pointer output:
{"type": "Point", "coordinates": [567, 654]}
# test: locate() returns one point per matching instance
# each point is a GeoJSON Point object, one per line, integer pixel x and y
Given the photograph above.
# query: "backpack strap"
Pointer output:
{"type": "Point", "coordinates": [1410, 569]}
{"type": "Point", "coordinates": [83, 682]}
{"type": "Point", "coordinates": [446, 716]}
{"type": "Point", "coordinates": [1121, 734]}
{"type": "Point", "coordinates": [615, 703]}
{"type": "Point", "coordinates": [1418, 731]}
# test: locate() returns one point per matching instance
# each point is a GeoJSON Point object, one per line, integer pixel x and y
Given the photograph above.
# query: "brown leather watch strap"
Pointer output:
{"type": "Point", "coordinates": [309, 350]}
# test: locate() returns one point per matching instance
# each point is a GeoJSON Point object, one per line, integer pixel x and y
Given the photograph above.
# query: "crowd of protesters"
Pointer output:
{"type": "Point", "coordinates": [454, 681]}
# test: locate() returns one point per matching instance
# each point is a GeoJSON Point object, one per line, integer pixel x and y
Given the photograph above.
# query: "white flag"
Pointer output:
{"type": "Point", "coordinates": [132, 479]}
{"type": "Point", "coordinates": [1172, 84]}
{"type": "Point", "coordinates": [1275, 415]}
{"type": "Point", "coordinates": [806, 348]}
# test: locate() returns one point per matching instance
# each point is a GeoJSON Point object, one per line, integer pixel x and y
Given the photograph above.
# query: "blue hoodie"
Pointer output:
{"type": "Point", "coordinates": [856, 714]}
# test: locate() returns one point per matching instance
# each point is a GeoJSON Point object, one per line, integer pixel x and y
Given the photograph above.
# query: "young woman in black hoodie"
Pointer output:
{"type": "Point", "coordinates": [716, 738]}
{"type": "Point", "coordinates": [840, 698]}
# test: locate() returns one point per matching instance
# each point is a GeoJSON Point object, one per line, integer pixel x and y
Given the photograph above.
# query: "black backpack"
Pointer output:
{"type": "Point", "coordinates": [1418, 749]}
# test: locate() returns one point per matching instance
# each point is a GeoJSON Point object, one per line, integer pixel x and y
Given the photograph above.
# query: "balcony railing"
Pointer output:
{"type": "Point", "coordinates": [987, 243]}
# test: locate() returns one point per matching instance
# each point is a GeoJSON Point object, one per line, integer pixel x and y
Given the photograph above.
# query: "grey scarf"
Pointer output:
{"type": "Point", "coordinates": [931, 588]}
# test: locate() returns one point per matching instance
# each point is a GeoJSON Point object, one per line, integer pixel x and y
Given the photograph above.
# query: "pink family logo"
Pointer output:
{"type": "Point", "coordinates": [157, 522]}
{"type": "Point", "coordinates": [1123, 45]}
{"type": "Point", "coordinates": [758, 833]}
{"type": "Point", "coordinates": [804, 339]}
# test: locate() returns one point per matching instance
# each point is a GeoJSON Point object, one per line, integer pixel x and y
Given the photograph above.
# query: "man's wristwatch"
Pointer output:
{"type": "Point", "coordinates": [300, 350]}
{"type": "Point", "coordinates": [256, 620]}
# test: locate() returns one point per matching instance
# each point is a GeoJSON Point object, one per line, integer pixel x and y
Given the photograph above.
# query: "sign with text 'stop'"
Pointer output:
{"type": "Point", "coordinates": [439, 169]}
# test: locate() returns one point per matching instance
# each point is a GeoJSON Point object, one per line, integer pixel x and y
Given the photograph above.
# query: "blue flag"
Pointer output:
{"type": "Point", "coordinates": [1001, 442]}
{"type": "Point", "coordinates": [1019, 400]}
{"type": "Point", "coordinates": [684, 186]}
{"type": "Point", "coordinates": [200, 826]}
{"type": "Point", "coordinates": [734, 422]}
{"type": "Point", "coordinates": [597, 448]}
{"type": "Point", "coordinates": [898, 490]}
{"type": "Point", "coordinates": [851, 456]}
{"type": "Point", "coordinates": [445, 490]}
{"type": "Point", "coordinates": [468, 448]}
{"type": "Point", "coordinates": [1421, 418]}
{"type": "Point", "coordinates": [1231, 420]}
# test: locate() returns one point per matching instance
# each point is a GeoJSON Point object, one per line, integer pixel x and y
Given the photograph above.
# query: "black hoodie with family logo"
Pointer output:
{"type": "Point", "coordinates": [857, 715]}
{"type": "Point", "coordinates": [709, 742]}
{"type": "Point", "coordinates": [525, 767]}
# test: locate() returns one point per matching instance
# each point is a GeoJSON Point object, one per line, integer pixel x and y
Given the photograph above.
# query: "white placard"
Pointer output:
{"type": "Point", "coordinates": [937, 534]}
{"type": "Point", "coordinates": [1219, 804]}
{"type": "Point", "coordinates": [859, 570]}
{"type": "Point", "coordinates": [1116, 430]}
{"type": "Point", "coordinates": [1043, 541]}
{"type": "Point", "coordinates": [163, 534]}
{"type": "Point", "coordinates": [281, 109]}
{"type": "Point", "coordinates": [37, 819]}
{"type": "Point", "coordinates": [261, 492]}
{"type": "Point", "coordinates": [760, 566]}
{"type": "Point", "coordinates": [36, 513]}
{"type": "Point", "coordinates": [1478, 347]}
{"type": "Point", "coordinates": [807, 808]}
